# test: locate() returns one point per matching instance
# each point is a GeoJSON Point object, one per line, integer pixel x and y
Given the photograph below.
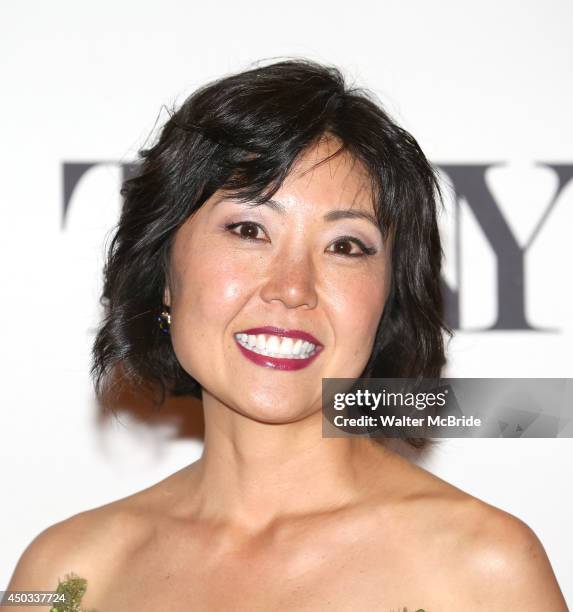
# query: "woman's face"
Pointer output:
{"type": "Point", "coordinates": [236, 268]}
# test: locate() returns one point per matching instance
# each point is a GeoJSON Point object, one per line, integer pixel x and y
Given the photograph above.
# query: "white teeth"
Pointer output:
{"type": "Point", "coordinates": [286, 346]}
{"type": "Point", "coordinates": [275, 346]}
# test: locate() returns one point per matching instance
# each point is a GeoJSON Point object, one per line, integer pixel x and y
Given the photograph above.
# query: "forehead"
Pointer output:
{"type": "Point", "coordinates": [327, 175]}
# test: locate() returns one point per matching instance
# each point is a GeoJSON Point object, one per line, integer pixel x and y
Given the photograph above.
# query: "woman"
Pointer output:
{"type": "Point", "coordinates": [281, 231]}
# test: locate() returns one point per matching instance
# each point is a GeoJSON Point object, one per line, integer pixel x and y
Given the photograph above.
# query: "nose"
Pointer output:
{"type": "Point", "coordinates": [291, 280]}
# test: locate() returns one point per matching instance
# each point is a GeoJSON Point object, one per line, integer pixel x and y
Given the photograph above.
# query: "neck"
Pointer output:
{"type": "Point", "coordinates": [252, 474]}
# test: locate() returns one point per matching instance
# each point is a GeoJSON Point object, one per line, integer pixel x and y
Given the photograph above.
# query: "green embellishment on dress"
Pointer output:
{"type": "Point", "coordinates": [74, 588]}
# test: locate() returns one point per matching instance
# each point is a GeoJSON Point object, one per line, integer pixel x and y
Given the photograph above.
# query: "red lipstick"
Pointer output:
{"type": "Point", "coordinates": [280, 363]}
{"type": "Point", "coordinates": [285, 333]}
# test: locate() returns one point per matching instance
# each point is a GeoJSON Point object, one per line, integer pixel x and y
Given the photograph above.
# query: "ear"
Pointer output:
{"type": "Point", "coordinates": [167, 297]}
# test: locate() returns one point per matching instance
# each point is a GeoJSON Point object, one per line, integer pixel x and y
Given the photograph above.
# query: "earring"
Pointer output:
{"type": "Point", "coordinates": [164, 319]}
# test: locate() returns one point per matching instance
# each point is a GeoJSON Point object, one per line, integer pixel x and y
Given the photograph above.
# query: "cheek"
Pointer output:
{"type": "Point", "coordinates": [357, 307]}
{"type": "Point", "coordinates": [211, 290]}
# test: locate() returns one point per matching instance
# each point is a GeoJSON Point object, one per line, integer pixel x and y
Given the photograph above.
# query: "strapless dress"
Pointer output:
{"type": "Point", "coordinates": [75, 587]}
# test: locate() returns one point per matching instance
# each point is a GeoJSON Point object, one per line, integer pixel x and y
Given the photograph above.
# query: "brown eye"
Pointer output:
{"type": "Point", "coordinates": [247, 230]}
{"type": "Point", "coordinates": [343, 246]}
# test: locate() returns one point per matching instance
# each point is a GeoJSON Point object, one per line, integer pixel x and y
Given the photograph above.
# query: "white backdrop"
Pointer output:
{"type": "Point", "coordinates": [476, 83]}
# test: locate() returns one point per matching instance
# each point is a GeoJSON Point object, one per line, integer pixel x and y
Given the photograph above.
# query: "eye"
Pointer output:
{"type": "Point", "coordinates": [249, 230]}
{"type": "Point", "coordinates": [342, 248]}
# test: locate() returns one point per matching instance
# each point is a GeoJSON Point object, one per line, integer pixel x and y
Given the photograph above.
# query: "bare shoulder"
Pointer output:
{"type": "Point", "coordinates": [490, 559]}
{"type": "Point", "coordinates": [507, 564]}
{"type": "Point", "coordinates": [86, 544]}
{"type": "Point", "coordinates": [94, 544]}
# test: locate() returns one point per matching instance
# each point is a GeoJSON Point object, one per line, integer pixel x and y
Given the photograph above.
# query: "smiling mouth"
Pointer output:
{"type": "Point", "coordinates": [279, 342]}
{"type": "Point", "coordinates": [279, 349]}
{"type": "Point", "coordinates": [284, 347]}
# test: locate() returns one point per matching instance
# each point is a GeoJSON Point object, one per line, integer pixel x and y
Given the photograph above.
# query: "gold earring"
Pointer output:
{"type": "Point", "coordinates": [164, 319]}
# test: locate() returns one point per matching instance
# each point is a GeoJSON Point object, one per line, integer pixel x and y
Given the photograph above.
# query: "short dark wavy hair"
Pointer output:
{"type": "Point", "coordinates": [243, 133]}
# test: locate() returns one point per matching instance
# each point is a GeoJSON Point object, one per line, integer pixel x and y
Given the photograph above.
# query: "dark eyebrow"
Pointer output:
{"type": "Point", "coordinates": [332, 215]}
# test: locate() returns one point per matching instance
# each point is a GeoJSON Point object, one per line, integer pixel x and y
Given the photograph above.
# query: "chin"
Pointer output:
{"type": "Point", "coordinates": [274, 411]}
